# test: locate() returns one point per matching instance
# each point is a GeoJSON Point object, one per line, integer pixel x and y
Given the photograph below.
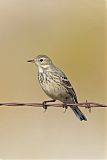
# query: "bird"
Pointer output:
{"type": "Point", "coordinates": [56, 84]}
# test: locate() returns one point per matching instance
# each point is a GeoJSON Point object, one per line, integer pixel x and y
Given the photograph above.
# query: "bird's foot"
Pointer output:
{"type": "Point", "coordinates": [66, 107]}
{"type": "Point", "coordinates": [45, 104]}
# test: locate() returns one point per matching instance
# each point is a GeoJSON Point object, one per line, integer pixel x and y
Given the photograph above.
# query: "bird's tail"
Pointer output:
{"type": "Point", "coordinates": [78, 113]}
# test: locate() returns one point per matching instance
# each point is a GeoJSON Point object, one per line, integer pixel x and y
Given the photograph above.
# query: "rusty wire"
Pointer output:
{"type": "Point", "coordinates": [82, 104]}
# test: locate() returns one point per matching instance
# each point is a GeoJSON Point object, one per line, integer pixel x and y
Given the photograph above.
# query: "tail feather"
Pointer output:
{"type": "Point", "coordinates": [78, 113]}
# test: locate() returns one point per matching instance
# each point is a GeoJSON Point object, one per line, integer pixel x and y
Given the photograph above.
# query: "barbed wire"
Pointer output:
{"type": "Point", "coordinates": [85, 104]}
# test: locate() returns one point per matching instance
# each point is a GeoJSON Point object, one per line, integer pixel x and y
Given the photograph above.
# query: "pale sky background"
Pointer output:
{"type": "Point", "coordinates": [72, 33]}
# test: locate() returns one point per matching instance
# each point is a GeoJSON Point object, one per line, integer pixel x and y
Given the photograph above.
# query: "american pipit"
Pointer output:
{"type": "Point", "coordinates": [55, 83]}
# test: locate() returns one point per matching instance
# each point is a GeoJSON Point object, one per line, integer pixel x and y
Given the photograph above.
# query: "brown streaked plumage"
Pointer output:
{"type": "Point", "coordinates": [55, 83]}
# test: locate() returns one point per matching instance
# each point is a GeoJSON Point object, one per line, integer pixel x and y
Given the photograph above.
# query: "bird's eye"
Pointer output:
{"type": "Point", "coordinates": [41, 60]}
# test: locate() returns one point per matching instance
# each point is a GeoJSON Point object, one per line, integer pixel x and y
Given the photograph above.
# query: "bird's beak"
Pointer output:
{"type": "Point", "coordinates": [32, 61]}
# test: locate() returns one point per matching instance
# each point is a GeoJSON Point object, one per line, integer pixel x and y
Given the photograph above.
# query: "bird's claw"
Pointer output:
{"type": "Point", "coordinates": [66, 107]}
{"type": "Point", "coordinates": [44, 106]}
{"type": "Point", "coordinates": [65, 110]}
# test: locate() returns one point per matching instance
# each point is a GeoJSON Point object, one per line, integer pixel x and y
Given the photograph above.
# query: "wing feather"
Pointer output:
{"type": "Point", "coordinates": [66, 83]}
{"type": "Point", "coordinates": [69, 88]}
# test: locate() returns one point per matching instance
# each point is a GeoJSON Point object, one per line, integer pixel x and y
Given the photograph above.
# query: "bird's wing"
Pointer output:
{"type": "Point", "coordinates": [65, 82]}
{"type": "Point", "coordinates": [69, 88]}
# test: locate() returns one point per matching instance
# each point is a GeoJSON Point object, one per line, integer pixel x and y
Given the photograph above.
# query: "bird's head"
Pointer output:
{"type": "Point", "coordinates": [42, 61]}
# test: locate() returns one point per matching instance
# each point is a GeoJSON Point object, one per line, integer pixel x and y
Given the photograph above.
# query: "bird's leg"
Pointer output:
{"type": "Point", "coordinates": [44, 103]}
{"type": "Point", "coordinates": [65, 106]}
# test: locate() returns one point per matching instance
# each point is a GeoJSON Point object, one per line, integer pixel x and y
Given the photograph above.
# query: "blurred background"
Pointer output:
{"type": "Point", "coordinates": [72, 33]}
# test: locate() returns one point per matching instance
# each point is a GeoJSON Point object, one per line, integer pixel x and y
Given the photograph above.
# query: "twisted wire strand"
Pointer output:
{"type": "Point", "coordinates": [82, 104]}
